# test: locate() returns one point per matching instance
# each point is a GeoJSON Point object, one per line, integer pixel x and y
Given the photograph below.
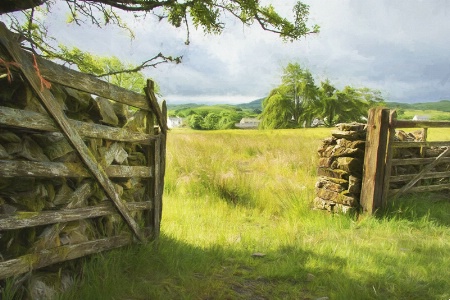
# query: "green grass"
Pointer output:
{"type": "Point", "coordinates": [434, 115]}
{"type": "Point", "coordinates": [230, 194]}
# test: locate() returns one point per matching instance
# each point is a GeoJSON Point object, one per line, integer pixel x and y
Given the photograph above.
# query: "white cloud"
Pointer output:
{"type": "Point", "coordinates": [399, 47]}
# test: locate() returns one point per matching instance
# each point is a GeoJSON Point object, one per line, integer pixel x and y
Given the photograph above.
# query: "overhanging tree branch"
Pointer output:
{"type": "Point", "coordinates": [152, 62]}
{"type": "Point", "coordinates": [206, 14]}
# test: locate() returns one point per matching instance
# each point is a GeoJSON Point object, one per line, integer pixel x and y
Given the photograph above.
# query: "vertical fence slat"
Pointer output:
{"type": "Point", "coordinates": [374, 159]}
{"type": "Point", "coordinates": [388, 159]}
{"type": "Point", "coordinates": [157, 196]}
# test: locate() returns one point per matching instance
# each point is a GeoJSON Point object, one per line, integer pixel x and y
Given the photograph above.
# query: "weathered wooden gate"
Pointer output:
{"type": "Point", "coordinates": [379, 160]}
{"type": "Point", "coordinates": [114, 176]}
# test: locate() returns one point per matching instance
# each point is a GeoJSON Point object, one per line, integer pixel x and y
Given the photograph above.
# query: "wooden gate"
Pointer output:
{"type": "Point", "coordinates": [379, 160]}
{"type": "Point", "coordinates": [101, 172]}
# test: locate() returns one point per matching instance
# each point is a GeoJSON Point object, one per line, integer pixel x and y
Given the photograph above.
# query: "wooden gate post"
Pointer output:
{"type": "Point", "coordinates": [374, 160]}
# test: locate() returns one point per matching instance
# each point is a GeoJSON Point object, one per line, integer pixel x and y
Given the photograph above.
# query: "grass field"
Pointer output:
{"type": "Point", "coordinates": [434, 115]}
{"type": "Point", "coordinates": [238, 224]}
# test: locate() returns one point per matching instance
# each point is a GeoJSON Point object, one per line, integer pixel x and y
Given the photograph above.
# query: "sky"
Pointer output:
{"type": "Point", "coordinates": [400, 47]}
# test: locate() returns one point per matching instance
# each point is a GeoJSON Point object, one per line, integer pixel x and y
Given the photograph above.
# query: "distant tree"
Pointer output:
{"type": "Point", "coordinates": [302, 90]}
{"type": "Point", "coordinates": [329, 103]}
{"type": "Point", "coordinates": [211, 121]}
{"type": "Point", "coordinates": [297, 101]}
{"type": "Point", "coordinates": [278, 110]}
{"type": "Point", "coordinates": [293, 102]}
{"type": "Point", "coordinates": [349, 104]}
{"type": "Point", "coordinates": [195, 121]}
{"type": "Point", "coordinates": [371, 96]}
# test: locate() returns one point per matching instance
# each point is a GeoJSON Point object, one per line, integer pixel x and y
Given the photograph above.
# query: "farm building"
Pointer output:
{"type": "Point", "coordinates": [421, 118]}
{"type": "Point", "coordinates": [248, 123]}
{"type": "Point", "coordinates": [174, 122]}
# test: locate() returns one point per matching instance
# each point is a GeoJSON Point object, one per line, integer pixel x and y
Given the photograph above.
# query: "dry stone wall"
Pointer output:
{"type": "Point", "coordinates": [341, 159]}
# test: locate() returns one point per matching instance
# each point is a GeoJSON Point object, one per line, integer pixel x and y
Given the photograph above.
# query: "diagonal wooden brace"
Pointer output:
{"type": "Point", "coordinates": [48, 101]}
{"type": "Point", "coordinates": [427, 168]}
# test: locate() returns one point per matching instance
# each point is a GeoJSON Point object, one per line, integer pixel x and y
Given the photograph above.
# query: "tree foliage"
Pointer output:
{"type": "Point", "coordinates": [111, 69]}
{"type": "Point", "coordinates": [209, 15]}
{"type": "Point", "coordinates": [278, 110]}
{"type": "Point", "coordinates": [298, 101]}
{"type": "Point", "coordinates": [293, 102]}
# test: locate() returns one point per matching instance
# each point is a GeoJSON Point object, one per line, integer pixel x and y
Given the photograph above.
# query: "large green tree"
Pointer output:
{"type": "Point", "coordinates": [25, 18]}
{"type": "Point", "coordinates": [278, 110]}
{"type": "Point", "coordinates": [293, 103]}
{"type": "Point", "coordinates": [298, 101]}
{"type": "Point", "coordinates": [346, 105]}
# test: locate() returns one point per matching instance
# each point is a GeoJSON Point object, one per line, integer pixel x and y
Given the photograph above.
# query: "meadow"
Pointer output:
{"type": "Point", "coordinates": [238, 224]}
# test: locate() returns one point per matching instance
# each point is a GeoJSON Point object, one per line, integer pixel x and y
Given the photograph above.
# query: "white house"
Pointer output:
{"type": "Point", "coordinates": [421, 118]}
{"type": "Point", "coordinates": [174, 122]}
{"type": "Point", "coordinates": [248, 123]}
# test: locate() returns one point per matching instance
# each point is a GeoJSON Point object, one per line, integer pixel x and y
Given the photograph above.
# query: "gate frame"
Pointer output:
{"type": "Point", "coordinates": [378, 158]}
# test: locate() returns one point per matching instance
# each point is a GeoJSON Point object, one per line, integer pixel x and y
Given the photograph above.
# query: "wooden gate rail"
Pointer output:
{"type": "Point", "coordinates": [48, 257]}
{"type": "Point", "coordinates": [32, 120]}
{"type": "Point", "coordinates": [32, 219]}
{"type": "Point", "coordinates": [153, 142]}
{"type": "Point", "coordinates": [378, 160]}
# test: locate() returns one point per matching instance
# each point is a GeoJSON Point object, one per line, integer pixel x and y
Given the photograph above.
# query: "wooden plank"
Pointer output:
{"type": "Point", "coordinates": [157, 190]}
{"type": "Point", "coordinates": [163, 143]}
{"type": "Point", "coordinates": [89, 83]}
{"type": "Point", "coordinates": [29, 262]}
{"type": "Point", "coordinates": [420, 124]}
{"type": "Point", "coordinates": [374, 160]}
{"type": "Point", "coordinates": [160, 167]}
{"type": "Point", "coordinates": [420, 175]}
{"type": "Point", "coordinates": [424, 188]}
{"type": "Point", "coordinates": [153, 103]}
{"type": "Point", "coordinates": [54, 109]}
{"type": "Point", "coordinates": [150, 184]}
{"type": "Point", "coordinates": [424, 139]}
{"type": "Point", "coordinates": [33, 120]}
{"type": "Point", "coordinates": [388, 159]}
{"type": "Point", "coordinates": [30, 219]}
{"type": "Point", "coordinates": [10, 168]}
{"type": "Point", "coordinates": [402, 178]}
{"type": "Point", "coordinates": [416, 161]}
{"type": "Point", "coordinates": [420, 144]}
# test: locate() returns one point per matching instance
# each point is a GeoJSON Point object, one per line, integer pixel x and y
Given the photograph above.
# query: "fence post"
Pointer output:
{"type": "Point", "coordinates": [374, 160]}
{"type": "Point", "coordinates": [389, 156]}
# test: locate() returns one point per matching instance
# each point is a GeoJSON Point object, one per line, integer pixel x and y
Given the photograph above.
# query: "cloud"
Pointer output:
{"type": "Point", "coordinates": [399, 47]}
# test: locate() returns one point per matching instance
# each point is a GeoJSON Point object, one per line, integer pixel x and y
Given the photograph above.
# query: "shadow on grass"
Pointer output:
{"type": "Point", "coordinates": [172, 269]}
{"type": "Point", "coordinates": [429, 207]}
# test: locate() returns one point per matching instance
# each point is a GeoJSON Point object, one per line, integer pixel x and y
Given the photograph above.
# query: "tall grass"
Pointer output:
{"type": "Point", "coordinates": [238, 224]}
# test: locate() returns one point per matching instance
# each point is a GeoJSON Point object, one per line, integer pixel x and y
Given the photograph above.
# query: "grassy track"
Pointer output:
{"type": "Point", "coordinates": [237, 224]}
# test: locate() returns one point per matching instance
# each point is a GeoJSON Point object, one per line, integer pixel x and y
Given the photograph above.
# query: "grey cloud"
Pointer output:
{"type": "Point", "coordinates": [399, 47]}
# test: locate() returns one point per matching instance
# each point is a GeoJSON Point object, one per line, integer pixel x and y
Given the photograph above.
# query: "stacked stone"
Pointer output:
{"type": "Point", "coordinates": [340, 169]}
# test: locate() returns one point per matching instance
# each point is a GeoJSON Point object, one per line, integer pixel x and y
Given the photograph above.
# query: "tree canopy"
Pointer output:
{"type": "Point", "coordinates": [298, 101]}
{"type": "Point", "coordinates": [208, 15]}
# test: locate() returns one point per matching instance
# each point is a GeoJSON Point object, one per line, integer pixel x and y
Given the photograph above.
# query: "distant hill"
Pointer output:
{"type": "Point", "coordinates": [443, 105]}
{"type": "Point", "coordinates": [255, 104]}
{"type": "Point", "coordinates": [183, 106]}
